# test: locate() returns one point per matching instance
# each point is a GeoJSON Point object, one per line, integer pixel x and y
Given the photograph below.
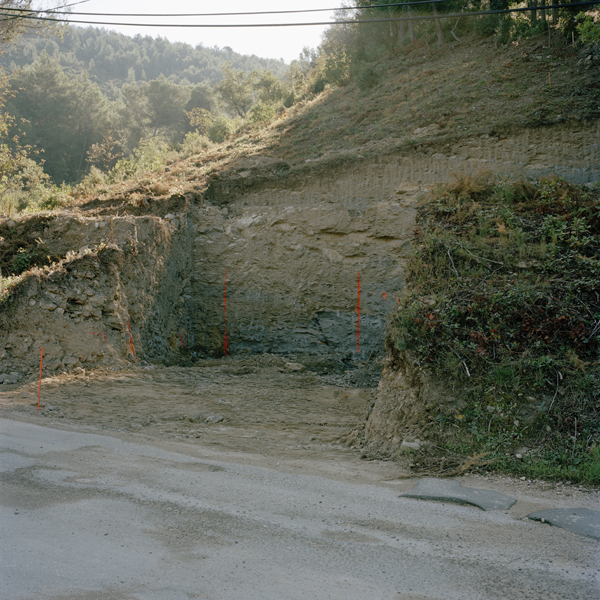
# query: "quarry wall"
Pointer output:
{"type": "Point", "coordinates": [291, 247]}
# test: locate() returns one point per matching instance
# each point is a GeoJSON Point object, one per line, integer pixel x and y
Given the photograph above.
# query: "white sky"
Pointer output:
{"type": "Point", "coordinates": [267, 42]}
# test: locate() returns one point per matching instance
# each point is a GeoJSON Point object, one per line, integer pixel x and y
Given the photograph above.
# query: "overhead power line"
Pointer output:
{"type": "Point", "coordinates": [352, 22]}
{"type": "Point", "coordinates": [225, 14]}
{"type": "Point", "coordinates": [239, 14]}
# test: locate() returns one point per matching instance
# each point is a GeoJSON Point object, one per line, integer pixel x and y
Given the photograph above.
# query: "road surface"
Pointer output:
{"type": "Point", "coordinates": [88, 516]}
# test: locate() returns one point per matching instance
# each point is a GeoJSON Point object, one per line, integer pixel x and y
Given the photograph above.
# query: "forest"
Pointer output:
{"type": "Point", "coordinates": [83, 103]}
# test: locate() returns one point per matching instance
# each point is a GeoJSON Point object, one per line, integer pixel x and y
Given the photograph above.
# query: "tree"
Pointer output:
{"type": "Point", "coordinates": [268, 87]}
{"type": "Point", "coordinates": [17, 169]}
{"type": "Point", "coordinates": [157, 107]}
{"type": "Point", "coordinates": [16, 19]}
{"type": "Point", "coordinates": [65, 115]}
{"type": "Point", "coordinates": [202, 97]}
{"type": "Point", "coordinates": [106, 153]}
{"type": "Point", "coordinates": [236, 89]}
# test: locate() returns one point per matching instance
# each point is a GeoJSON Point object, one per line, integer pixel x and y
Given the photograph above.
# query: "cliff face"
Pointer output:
{"type": "Point", "coordinates": [82, 309]}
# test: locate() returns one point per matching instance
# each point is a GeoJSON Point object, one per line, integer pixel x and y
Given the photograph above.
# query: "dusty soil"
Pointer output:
{"type": "Point", "coordinates": [251, 410]}
{"type": "Point", "coordinates": [251, 405]}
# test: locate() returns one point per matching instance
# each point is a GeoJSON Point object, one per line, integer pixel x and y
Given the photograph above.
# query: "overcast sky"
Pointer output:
{"type": "Point", "coordinates": [270, 42]}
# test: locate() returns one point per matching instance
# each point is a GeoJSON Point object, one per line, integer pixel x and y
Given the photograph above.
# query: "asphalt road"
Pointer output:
{"type": "Point", "coordinates": [87, 516]}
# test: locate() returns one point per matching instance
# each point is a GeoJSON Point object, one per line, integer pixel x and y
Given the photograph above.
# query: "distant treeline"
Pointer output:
{"type": "Point", "coordinates": [90, 97]}
{"type": "Point", "coordinates": [112, 59]}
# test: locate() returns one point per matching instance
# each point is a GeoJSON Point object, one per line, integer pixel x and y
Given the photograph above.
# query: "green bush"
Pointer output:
{"type": "Point", "coordinates": [503, 305]}
{"type": "Point", "coordinates": [588, 28]}
{"type": "Point", "coordinates": [366, 75]}
{"type": "Point", "coordinates": [261, 113]}
{"type": "Point", "coordinates": [221, 129]}
{"type": "Point", "coordinates": [150, 154]}
{"type": "Point", "coordinates": [194, 143]}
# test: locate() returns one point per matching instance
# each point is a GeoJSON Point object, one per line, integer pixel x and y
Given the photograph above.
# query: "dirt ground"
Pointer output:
{"type": "Point", "coordinates": [256, 410]}
{"type": "Point", "coordinates": [251, 405]}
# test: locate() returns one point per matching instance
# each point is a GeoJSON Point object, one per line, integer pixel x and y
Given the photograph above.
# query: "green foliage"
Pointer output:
{"type": "Point", "coordinates": [268, 87]}
{"type": "Point", "coordinates": [156, 106]}
{"type": "Point", "coordinates": [22, 261]}
{"type": "Point", "coordinates": [115, 59]}
{"type": "Point", "coordinates": [12, 27]}
{"type": "Point", "coordinates": [261, 113]}
{"type": "Point", "coordinates": [194, 143]}
{"type": "Point", "coordinates": [503, 304]}
{"type": "Point", "coordinates": [588, 28]}
{"type": "Point", "coordinates": [136, 88]}
{"type": "Point", "coordinates": [149, 155]}
{"type": "Point", "coordinates": [65, 115]}
{"type": "Point", "coordinates": [104, 154]}
{"type": "Point", "coordinates": [236, 89]}
{"type": "Point", "coordinates": [20, 176]}
{"type": "Point", "coordinates": [220, 130]}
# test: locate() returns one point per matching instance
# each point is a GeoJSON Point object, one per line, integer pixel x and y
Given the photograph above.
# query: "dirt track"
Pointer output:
{"type": "Point", "coordinates": [252, 410]}
{"type": "Point", "coordinates": [252, 405]}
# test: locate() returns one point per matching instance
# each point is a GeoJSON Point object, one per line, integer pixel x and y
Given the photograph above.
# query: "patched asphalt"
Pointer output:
{"type": "Point", "coordinates": [442, 490]}
{"type": "Point", "coordinates": [582, 521]}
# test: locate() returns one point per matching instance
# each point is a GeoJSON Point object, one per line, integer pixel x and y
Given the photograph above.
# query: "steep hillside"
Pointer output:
{"type": "Point", "coordinates": [289, 216]}
{"type": "Point", "coordinates": [431, 97]}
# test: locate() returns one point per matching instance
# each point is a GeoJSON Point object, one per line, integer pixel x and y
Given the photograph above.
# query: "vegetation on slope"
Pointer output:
{"type": "Point", "coordinates": [504, 306]}
{"type": "Point", "coordinates": [113, 59]}
{"type": "Point", "coordinates": [93, 98]}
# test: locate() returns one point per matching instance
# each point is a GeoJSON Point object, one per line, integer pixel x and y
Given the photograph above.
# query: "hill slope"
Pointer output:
{"type": "Point", "coordinates": [292, 212]}
{"type": "Point", "coordinates": [113, 59]}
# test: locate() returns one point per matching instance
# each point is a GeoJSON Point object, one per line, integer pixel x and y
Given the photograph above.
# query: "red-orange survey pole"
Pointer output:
{"type": "Point", "coordinates": [40, 384]}
{"type": "Point", "coordinates": [225, 311]}
{"type": "Point", "coordinates": [358, 315]}
{"type": "Point", "coordinates": [131, 347]}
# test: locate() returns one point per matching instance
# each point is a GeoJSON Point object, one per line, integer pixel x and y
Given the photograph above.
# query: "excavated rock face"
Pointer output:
{"type": "Point", "coordinates": [292, 254]}
{"type": "Point", "coordinates": [292, 259]}
{"type": "Point", "coordinates": [80, 311]}
{"type": "Point", "coordinates": [292, 245]}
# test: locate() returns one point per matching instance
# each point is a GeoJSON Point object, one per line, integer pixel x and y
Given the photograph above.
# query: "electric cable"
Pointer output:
{"type": "Point", "coordinates": [233, 14]}
{"type": "Point", "coordinates": [322, 23]}
{"type": "Point", "coordinates": [236, 14]}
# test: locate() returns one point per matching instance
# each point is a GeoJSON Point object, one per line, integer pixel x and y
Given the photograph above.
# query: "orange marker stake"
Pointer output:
{"type": "Point", "coordinates": [40, 384]}
{"type": "Point", "coordinates": [358, 316]}
{"type": "Point", "coordinates": [225, 312]}
{"type": "Point", "coordinates": [181, 338]}
{"type": "Point", "coordinates": [131, 342]}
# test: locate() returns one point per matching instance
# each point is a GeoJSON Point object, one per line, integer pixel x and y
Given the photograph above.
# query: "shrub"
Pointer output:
{"type": "Point", "coordinates": [150, 154]}
{"type": "Point", "coordinates": [588, 27]}
{"type": "Point", "coordinates": [261, 113]}
{"type": "Point", "coordinates": [194, 143]}
{"type": "Point", "coordinates": [220, 130]}
{"type": "Point", "coordinates": [503, 305]}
